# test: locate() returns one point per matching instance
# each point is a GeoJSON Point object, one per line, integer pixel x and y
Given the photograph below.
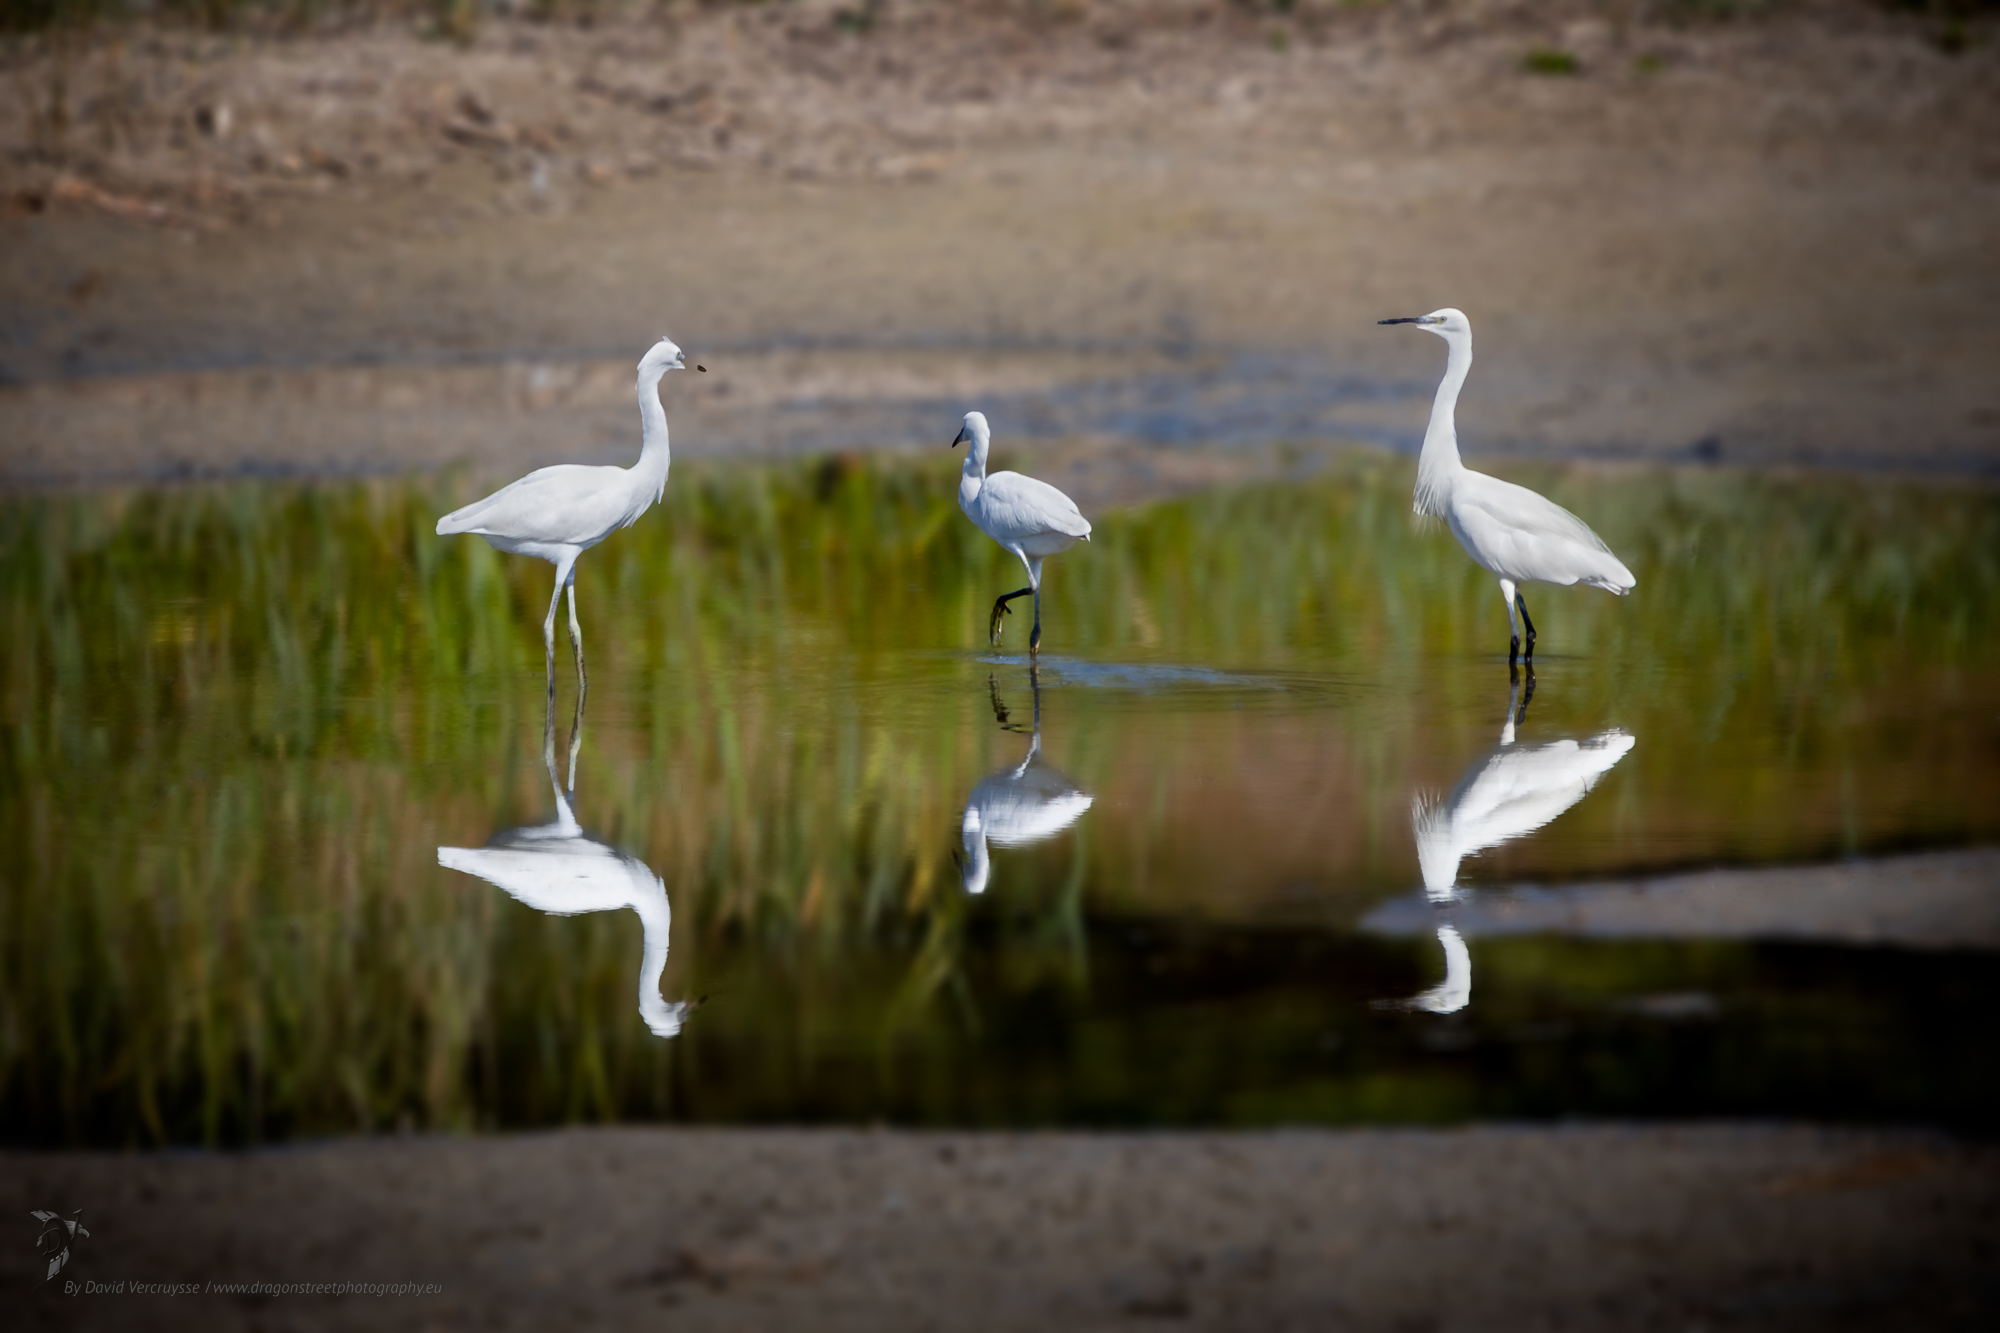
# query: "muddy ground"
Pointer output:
{"type": "Point", "coordinates": [1163, 228]}
{"type": "Point", "coordinates": [1612, 1227]}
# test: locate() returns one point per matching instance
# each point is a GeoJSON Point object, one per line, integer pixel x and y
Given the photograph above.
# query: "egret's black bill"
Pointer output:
{"type": "Point", "coordinates": [1406, 319]}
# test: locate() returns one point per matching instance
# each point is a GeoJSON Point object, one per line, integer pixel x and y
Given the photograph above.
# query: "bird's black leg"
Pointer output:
{"type": "Point", "coordinates": [1035, 635]}
{"type": "Point", "coordinates": [1527, 695]}
{"type": "Point", "coordinates": [1522, 602]}
{"type": "Point", "coordinates": [999, 709]}
{"type": "Point", "coordinates": [1000, 609]}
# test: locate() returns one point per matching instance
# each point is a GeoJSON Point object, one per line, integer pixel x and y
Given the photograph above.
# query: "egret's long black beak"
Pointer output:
{"type": "Point", "coordinates": [702, 369]}
{"type": "Point", "coordinates": [959, 438]}
{"type": "Point", "coordinates": [1407, 319]}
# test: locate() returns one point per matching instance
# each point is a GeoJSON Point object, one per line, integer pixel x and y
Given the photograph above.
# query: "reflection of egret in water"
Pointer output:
{"type": "Point", "coordinates": [1455, 991]}
{"type": "Point", "coordinates": [1510, 792]}
{"type": "Point", "coordinates": [556, 868]}
{"type": "Point", "coordinates": [1020, 805]}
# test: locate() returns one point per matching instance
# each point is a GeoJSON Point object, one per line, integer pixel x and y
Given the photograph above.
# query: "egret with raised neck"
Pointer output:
{"type": "Point", "coordinates": [557, 513]}
{"type": "Point", "coordinates": [1508, 530]}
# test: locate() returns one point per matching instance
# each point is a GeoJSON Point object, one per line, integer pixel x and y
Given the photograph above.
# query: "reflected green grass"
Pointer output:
{"type": "Point", "coordinates": [240, 720]}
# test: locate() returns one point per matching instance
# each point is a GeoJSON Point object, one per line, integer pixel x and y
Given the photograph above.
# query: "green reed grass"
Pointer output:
{"type": "Point", "coordinates": [239, 720]}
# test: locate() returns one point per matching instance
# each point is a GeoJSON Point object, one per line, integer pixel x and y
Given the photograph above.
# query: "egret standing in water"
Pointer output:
{"type": "Point", "coordinates": [1031, 518]}
{"type": "Point", "coordinates": [1508, 530]}
{"type": "Point", "coordinates": [557, 513]}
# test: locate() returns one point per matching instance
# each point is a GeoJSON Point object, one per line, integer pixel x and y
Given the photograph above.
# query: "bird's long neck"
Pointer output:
{"type": "Point", "coordinates": [654, 457]}
{"type": "Point", "coordinates": [973, 478]}
{"type": "Point", "coordinates": [1439, 465]}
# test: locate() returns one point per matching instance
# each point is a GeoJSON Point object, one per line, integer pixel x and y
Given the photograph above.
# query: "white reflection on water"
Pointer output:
{"type": "Point", "coordinates": [1455, 991]}
{"type": "Point", "coordinates": [1508, 793]}
{"type": "Point", "coordinates": [1027, 803]}
{"type": "Point", "coordinates": [1505, 794]}
{"type": "Point", "coordinates": [555, 868]}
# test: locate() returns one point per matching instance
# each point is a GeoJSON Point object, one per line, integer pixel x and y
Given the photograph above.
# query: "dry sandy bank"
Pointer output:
{"type": "Point", "coordinates": [1121, 224]}
{"type": "Point", "coordinates": [1625, 1228]}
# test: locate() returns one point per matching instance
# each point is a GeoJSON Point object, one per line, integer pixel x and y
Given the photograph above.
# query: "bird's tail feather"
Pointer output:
{"type": "Point", "coordinates": [462, 520]}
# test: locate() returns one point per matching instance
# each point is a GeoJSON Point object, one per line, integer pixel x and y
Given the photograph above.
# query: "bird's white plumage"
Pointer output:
{"type": "Point", "coordinates": [1028, 517]}
{"type": "Point", "coordinates": [1508, 530]}
{"type": "Point", "coordinates": [557, 513]}
{"type": "Point", "coordinates": [568, 505]}
{"type": "Point", "coordinates": [1031, 518]}
{"type": "Point", "coordinates": [1020, 511]}
{"type": "Point", "coordinates": [1511, 531]}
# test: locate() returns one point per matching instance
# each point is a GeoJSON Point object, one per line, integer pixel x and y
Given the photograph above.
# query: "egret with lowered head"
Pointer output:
{"type": "Point", "coordinates": [1031, 518]}
{"type": "Point", "coordinates": [1508, 530]}
{"type": "Point", "coordinates": [557, 513]}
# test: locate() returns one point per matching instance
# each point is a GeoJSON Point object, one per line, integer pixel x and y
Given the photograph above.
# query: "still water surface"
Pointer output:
{"type": "Point", "coordinates": [289, 848]}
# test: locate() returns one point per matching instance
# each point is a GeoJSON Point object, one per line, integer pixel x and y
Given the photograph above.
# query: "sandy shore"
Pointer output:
{"type": "Point", "coordinates": [1936, 900]}
{"type": "Point", "coordinates": [1606, 1227]}
{"type": "Point", "coordinates": [1140, 226]}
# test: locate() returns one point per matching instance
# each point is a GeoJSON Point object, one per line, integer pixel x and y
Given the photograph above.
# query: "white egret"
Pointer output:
{"type": "Point", "coordinates": [554, 868]}
{"type": "Point", "coordinates": [1508, 530]}
{"type": "Point", "coordinates": [1031, 518]}
{"type": "Point", "coordinates": [557, 513]}
{"type": "Point", "coordinates": [1027, 803]}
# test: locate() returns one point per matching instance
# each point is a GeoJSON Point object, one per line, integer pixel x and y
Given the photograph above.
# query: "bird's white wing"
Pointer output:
{"type": "Point", "coordinates": [1017, 507]}
{"type": "Point", "coordinates": [568, 504]}
{"type": "Point", "coordinates": [1517, 533]}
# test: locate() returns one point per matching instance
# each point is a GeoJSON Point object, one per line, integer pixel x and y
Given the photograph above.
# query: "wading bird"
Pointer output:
{"type": "Point", "coordinates": [1031, 518]}
{"type": "Point", "coordinates": [1508, 530]}
{"type": "Point", "coordinates": [557, 513]}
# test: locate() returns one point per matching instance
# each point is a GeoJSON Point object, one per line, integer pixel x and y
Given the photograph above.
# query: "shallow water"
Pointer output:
{"type": "Point", "coordinates": [242, 723]}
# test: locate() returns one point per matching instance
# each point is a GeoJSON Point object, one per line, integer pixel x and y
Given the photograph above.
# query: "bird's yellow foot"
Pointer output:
{"type": "Point", "coordinates": [1000, 608]}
